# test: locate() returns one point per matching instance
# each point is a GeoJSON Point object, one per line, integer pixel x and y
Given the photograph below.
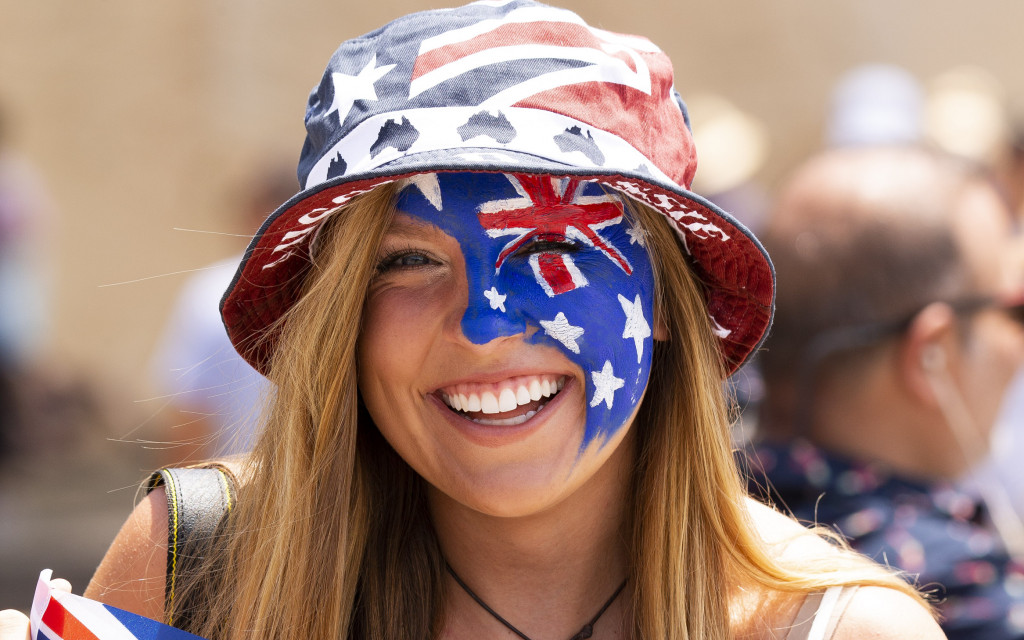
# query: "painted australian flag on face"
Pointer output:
{"type": "Point", "coordinates": [559, 262]}
{"type": "Point", "coordinates": [488, 79]}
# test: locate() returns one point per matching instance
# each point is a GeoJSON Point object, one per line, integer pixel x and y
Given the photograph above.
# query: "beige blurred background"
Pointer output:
{"type": "Point", "coordinates": [143, 118]}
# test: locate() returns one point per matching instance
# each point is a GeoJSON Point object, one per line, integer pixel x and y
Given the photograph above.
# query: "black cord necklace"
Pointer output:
{"type": "Point", "coordinates": [582, 634]}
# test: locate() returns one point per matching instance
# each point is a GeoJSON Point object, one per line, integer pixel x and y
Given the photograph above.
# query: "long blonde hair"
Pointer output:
{"type": "Point", "coordinates": [331, 537]}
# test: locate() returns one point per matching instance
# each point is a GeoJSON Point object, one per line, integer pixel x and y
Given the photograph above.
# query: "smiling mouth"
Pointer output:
{"type": "Point", "coordinates": [511, 402]}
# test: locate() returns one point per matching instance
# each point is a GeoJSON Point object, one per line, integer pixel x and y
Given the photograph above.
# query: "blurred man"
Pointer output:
{"type": "Point", "coordinates": [894, 339]}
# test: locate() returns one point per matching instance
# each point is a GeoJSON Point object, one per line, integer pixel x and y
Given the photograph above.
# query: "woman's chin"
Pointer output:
{"type": "Point", "coordinates": [535, 484]}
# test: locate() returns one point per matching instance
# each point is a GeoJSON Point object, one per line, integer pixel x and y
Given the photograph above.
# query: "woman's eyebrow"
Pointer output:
{"type": "Point", "coordinates": [407, 225]}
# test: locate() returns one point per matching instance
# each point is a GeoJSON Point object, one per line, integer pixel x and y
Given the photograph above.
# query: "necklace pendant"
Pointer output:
{"type": "Point", "coordinates": [584, 633]}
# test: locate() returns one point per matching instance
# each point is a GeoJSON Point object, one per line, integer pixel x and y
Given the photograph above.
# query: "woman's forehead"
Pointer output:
{"type": "Point", "coordinates": [405, 224]}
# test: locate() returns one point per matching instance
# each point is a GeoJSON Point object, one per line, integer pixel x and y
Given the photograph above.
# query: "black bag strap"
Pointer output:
{"type": "Point", "coordinates": [198, 499]}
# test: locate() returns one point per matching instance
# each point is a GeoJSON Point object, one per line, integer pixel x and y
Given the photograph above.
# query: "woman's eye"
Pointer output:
{"type": "Point", "coordinates": [559, 244]}
{"type": "Point", "coordinates": [404, 260]}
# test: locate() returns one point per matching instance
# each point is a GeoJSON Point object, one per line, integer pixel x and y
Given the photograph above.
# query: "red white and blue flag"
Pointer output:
{"type": "Point", "coordinates": [57, 615]}
{"type": "Point", "coordinates": [553, 207]}
{"type": "Point", "coordinates": [421, 87]}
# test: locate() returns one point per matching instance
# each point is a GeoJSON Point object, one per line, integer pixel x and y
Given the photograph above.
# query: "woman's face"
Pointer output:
{"type": "Point", "coordinates": [506, 342]}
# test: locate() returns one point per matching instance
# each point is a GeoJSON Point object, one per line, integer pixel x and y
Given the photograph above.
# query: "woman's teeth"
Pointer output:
{"type": "Point", "coordinates": [508, 421]}
{"type": "Point", "coordinates": [505, 398]}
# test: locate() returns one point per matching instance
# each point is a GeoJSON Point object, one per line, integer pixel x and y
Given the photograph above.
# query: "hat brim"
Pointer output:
{"type": "Point", "coordinates": [734, 270]}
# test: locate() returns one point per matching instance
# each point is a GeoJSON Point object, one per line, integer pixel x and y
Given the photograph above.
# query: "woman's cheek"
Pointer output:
{"type": "Point", "coordinates": [605, 329]}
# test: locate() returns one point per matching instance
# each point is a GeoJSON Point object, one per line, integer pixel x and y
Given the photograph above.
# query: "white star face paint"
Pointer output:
{"type": "Point", "coordinates": [637, 236]}
{"type": "Point", "coordinates": [496, 299]}
{"type": "Point", "coordinates": [558, 261]}
{"type": "Point", "coordinates": [606, 384]}
{"type": "Point", "coordinates": [561, 330]}
{"type": "Point", "coordinates": [637, 328]}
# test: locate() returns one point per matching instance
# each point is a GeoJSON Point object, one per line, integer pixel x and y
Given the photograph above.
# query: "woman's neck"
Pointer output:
{"type": "Point", "coordinates": [547, 572]}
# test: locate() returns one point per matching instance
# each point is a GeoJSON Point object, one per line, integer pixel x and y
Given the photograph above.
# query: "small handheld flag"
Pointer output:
{"type": "Point", "coordinates": [57, 615]}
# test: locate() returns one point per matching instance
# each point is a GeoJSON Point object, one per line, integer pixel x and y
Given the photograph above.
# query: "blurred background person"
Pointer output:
{"type": "Point", "coordinates": [967, 113]}
{"type": "Point", "coordinates": [25, 219]}
{"type": "Point", "coordinates": [963, 111]}
{"type": "Point", "coordinates": [893, 340]}
{"type": "Point", "coordinates": [56, 421]}
{"type": "Point", "coordinates": [213, 396]}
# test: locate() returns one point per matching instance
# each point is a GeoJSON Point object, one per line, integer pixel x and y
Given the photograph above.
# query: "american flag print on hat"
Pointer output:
{"type": "Point", "coordinates": [57, 615]}
{"type": "Point", "coordinates": [502, 86]}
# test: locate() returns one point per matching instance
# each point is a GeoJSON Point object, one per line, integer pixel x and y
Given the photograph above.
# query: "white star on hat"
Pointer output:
{"type": "Point", "coordinates": [496, 299]}
{"type": "Point", "coordinates": [636, 325]}
{"type": "Point", "coordinates": [561, 330]}
{"type": "Point", "coordinates": [348, 89]}
{"type": "Point", "coordinates": [605, 384]}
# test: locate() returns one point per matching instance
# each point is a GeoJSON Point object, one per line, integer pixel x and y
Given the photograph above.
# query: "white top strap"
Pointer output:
{"type": "Point", "coordinates": [824, 613]}
{"type": "Point", "coordinates": [819, 615]}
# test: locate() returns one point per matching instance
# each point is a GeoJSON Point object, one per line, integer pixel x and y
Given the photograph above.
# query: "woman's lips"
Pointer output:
{"type": "Point", "coordinates": [510, 402]}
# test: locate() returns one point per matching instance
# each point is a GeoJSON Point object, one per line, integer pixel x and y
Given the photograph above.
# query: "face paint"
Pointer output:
{"type": "Point", "coordinates": [558, 256]}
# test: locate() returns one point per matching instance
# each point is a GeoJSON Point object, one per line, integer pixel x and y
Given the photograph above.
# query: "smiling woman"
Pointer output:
{"type": "Point", "coordinates": [498, 322]}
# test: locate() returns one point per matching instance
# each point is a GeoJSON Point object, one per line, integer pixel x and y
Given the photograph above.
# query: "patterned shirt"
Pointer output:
{"type": "Point", "coordinates": [933, 532]}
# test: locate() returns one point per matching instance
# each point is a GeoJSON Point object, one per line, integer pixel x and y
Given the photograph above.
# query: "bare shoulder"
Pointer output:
{"type": "Point", "coordinates": [784, 535]}
{"type": "Point", "coordinates": [131, 575]}
{"type": "Point", "coordinates": [878, 613]}
{"type": "Point", "coordinates": [874, 613]}
{"type": "Point", "coordinates": [772, 524]}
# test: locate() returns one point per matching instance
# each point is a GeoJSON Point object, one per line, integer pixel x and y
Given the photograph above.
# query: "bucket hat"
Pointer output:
{"type": "Point", "coordinates": [500, 86]}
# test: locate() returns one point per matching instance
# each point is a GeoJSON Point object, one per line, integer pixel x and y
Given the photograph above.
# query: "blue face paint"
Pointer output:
{"type": "Point", "coordinates": [558, 256]}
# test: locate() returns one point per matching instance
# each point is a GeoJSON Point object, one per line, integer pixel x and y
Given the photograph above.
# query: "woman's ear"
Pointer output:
{"type": "Point", "coordinates": [660, 326]}
{"type": "Point", "coordinates": [927, 350]}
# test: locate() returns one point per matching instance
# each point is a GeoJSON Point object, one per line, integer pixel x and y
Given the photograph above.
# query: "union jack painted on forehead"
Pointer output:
{"type": "Point", "coordinates": [553, 209]}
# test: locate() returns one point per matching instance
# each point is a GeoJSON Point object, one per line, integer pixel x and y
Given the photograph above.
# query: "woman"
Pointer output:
{"type": "Point", "coordinates": [498, 324]}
